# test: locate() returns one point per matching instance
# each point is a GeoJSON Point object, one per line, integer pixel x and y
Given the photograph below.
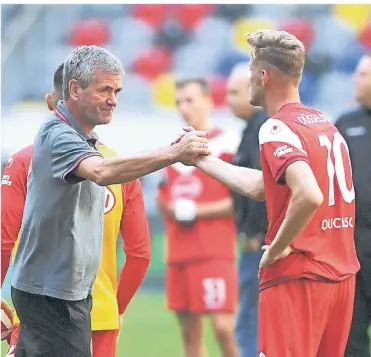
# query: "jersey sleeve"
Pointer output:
{"type": "Point", "coordinates": [136, 243]}
{"type": "Point", "coordinates": [13, 197]}
{"type": "Point", "coordinates": [68, 150]}
{"type": "Point", "coordinates": [280, 146]}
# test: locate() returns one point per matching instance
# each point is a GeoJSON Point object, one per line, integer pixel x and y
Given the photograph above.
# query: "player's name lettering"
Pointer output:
{"type": "Point", "coordinates": [337, 223]}
{"type": "Point", "coordinates": [282, 150]}
{"type": "Point", "coordinates": [312, 119]}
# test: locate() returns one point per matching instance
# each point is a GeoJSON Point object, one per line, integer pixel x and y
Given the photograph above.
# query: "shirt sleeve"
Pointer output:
{"type": "Point", "coordinates": [280, 146]}
{"type": "Point", "coordinates": [136, 243]}
{"type": "Point", "coordinates": [68, 151]}
{"type": "Point", "coordinates": [13, 197]}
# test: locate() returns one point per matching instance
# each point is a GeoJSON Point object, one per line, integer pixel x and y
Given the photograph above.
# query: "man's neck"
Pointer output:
{"type": "Point", "coordinates": [77, 114]}
{"type": "Point", "coordinates": [276, 102]}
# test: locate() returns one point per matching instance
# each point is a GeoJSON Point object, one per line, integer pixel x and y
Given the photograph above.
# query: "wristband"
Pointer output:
{"type": "Point", "coordinates": [184, 210]}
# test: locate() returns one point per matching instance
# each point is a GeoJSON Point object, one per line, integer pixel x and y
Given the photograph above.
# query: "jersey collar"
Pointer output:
{"type": "Point", "coordinates": [63, 113]}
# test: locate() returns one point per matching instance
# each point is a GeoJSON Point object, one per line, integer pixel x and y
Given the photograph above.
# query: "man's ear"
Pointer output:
{"type": "Point", "coordinates": [265, 77]}
{"type": "Point", "coordinates": [49, 101]}
{"type": "Point", "coordinates": [73, 88]}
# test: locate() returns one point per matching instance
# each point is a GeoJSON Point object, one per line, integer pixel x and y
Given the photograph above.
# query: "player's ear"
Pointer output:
{"type": "Point", "coordinates": [264, 77]}
{"type": "Point", "coordinates": [49, 101]}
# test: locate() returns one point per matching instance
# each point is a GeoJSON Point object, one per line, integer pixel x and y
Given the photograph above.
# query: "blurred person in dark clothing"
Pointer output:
{"type": "Point", "coordinates": [250, 215]}
{"type": "Point", "coordinates": [355, 126]}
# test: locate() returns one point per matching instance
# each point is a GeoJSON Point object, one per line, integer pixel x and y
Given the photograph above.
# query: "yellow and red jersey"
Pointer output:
{"type": "Point", "coordinates": [205, 238]}
{"type": "Point", "coordinates": [124, 215]}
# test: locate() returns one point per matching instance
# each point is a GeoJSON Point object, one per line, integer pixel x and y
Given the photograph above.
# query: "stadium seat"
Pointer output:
{"type": "Point", "coordinates": [273, 12]}
{"type": "Point", "coordinates": [348, 61]}
{"type": "Point", "coordinates": [301, 28]}
{"type": "Point", "coordinates": [355, 15]}
{"type": "Point", "coordinates": [332, 37]}
{"type": "Point", "coordinates": [172, 34]}
{"type": "Point", "coordinates": [196, 60]}
{"type": "Point", "coordinates": [233, 12]}
{"type": "Point", "coordinates": [153, 14]}
{"type": "Point", "coordinates": [189, 15]}
{"type": "Point", "coordinates": [151, 63]}
{"type": "Point", "coordinates": [228, 59]}
{"type": "Point", "coordinates": [218, 87]}
{"type": "Point", "coordinates": [90, 32]}
{"type": "Point", "coordinates": [212, 32]}
{"type": "Point", "coordinates": [249, 25]}
{"type": "Point", "coordinates": [365, 36]}
{"type": "Point", "coordinates": [103, 11]}
{"type": "Point", "coordinates": [164, 91]}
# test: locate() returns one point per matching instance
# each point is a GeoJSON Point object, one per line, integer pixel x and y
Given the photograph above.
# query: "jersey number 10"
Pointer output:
{"type": "Point", "coordinates": [337, 167]}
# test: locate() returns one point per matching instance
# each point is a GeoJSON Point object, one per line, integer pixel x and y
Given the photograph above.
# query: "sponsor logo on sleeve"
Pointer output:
{"type": "Point", "coordinates": [282, 150]}
{"type": "Point", "coordinates": [6, 180]}
{"type": "Point", "coordinates": [9, 163]}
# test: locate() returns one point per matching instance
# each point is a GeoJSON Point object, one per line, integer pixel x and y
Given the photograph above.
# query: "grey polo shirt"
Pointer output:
{"type": "Point", "coordinates": [60, 241]}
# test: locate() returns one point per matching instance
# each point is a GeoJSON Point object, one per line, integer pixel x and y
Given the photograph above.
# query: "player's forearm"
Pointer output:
{"type": "Point", "coordinates": [245, 181]}
{"type": "Point", "coordinates": [222, 208]}
{"type": "Point", "coordinates": [121, 169]}
{"type": "Point", "coordinates": [131, 277]}
{"type": "Point", "coordinates": [300, 211]}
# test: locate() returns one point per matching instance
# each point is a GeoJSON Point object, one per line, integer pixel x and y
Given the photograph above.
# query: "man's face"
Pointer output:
{"type": "Point", "coordinates": [98, 101]}
{"type": "Point", "coordinates": [362, 80]}
{"type": "Point", "coordinates": [193, 104]}
{"type": "Point", "coordinates": [257, 95]}
{"type": "Point", "coordinates": [238, 96]}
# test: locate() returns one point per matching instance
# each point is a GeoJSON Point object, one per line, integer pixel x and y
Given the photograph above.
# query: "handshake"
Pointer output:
{"type": "Point", "coordinates": [190, 146]}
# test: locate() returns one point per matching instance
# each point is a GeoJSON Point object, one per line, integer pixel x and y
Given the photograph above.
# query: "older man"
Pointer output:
{"type": "Point", "coordinates": [250, 215]}
{"type": "Point", "coordinates": [61, 236]}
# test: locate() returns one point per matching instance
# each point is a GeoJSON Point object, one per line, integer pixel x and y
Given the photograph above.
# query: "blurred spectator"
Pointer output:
{"type": "Point", "coordinates": [356, 129]}
{"type": "Point", "coordinates": [250, 215]}
{"type": "Point", "coordinates": [201, 275]}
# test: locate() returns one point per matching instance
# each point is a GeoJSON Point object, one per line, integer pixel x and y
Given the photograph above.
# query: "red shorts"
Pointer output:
{"type": "Point", "coordinates": [104, 342]}
{"type": "Point", "coordinates": [202, 286]}
{"type": "Point", "coordinates": [305, 318]}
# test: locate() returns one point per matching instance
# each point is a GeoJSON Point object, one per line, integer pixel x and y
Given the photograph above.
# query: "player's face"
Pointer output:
{"type": "Point", "coordinates": [98, 101]}
{"type": "Point", "coordinates": [193, 104]}
{"type": "Point", "coordinates": [362, 80]}
{"type": "Point", "coordinates": [238, 95]}
{"type": "Point", "coordinates": [256, 84]}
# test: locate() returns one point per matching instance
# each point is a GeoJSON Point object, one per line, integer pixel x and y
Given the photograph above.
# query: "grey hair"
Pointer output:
{"type": "Point", "coordinates": [82, 64]}
{"type": "Point", "coordinates": [241, 70]}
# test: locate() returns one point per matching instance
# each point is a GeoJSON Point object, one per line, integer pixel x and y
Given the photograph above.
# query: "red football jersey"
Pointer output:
{"type": "Point", "coordinates": [296, 133]}
{"type": "Point", "coordinates": [204, 238]}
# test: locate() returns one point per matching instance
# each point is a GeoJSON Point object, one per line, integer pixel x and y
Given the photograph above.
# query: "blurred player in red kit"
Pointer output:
{"type": "Point", "coordinates": [124, 214]}
{"type": "Point", "coordinates": [307, 272]}
{"type": "Point", "coordinates": [201, 273]}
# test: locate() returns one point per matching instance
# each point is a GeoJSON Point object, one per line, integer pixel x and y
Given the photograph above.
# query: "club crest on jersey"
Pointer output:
{"type": "Point", "coordinates": [109, 200]}
{"type": "Point", "coordinates": [9, 163]}
{"type": "Point", "coordinates": [276, 129]}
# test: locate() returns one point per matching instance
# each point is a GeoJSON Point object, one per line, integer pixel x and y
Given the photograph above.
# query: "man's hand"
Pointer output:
{"type": "Point", "coordinates": [268, 258]}
{"type": "Point", "coordinates": [185, 130]}
{"type": "Point", "coordinates": [191, 146]}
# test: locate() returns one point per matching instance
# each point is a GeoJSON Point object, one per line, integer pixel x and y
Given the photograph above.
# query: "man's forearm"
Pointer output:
{"type": "Point", "coordinates": [121, 169]}
{"type": "Point", "coordinates": [298, 215]}
{"type": "Point", "coordinates": [222, 208]}
{"type": "Point", "coordinates": [245, 181]}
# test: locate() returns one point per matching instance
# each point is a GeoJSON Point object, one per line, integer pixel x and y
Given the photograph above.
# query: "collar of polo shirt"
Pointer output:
{"type": "Point", "coordinates": [64, 113]}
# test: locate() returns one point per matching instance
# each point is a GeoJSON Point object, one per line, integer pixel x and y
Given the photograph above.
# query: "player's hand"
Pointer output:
{"type": "Point", "coordinates": [185, 130]}
{"type": "Point", "coordinates": [191, 147]}
{"type": "Point", "coordinates": [268, 258]}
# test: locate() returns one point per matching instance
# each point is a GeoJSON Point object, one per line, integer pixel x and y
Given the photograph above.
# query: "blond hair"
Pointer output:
{"type": "Point", "coordinates": [279, 49]}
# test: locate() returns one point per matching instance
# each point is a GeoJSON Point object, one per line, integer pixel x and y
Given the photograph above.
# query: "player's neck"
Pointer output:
{"type": "Point", "coordinates": [205, 125]}
{"type": "Point", "coordinates": [276, 102]}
